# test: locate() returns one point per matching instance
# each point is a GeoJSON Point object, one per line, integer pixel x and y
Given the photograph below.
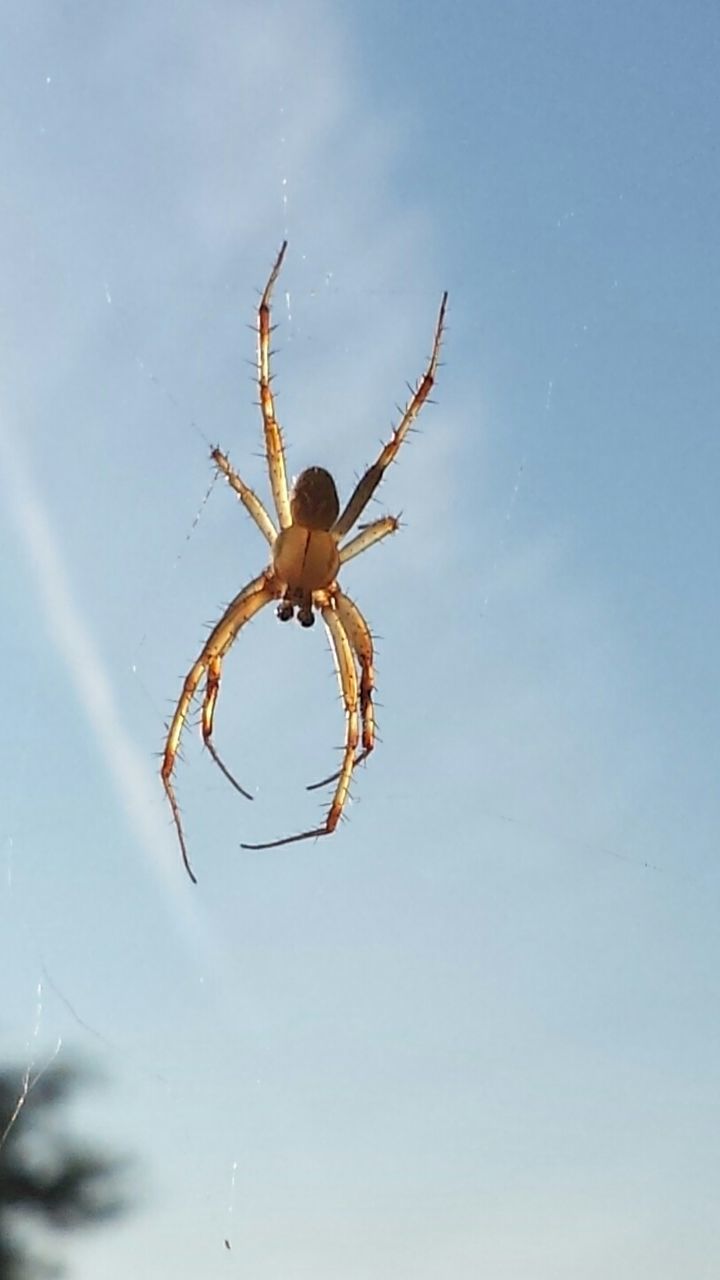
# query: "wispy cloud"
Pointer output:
{"type": "Point", "coordinates": [71, 636]}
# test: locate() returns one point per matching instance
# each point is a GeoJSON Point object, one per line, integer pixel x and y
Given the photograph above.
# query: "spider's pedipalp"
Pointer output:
{"type": "Point", "coordinates": [367, 485]}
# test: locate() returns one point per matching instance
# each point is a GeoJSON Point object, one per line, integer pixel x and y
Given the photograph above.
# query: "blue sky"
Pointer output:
{"type": "Point", "coordinates": [475, 1033]}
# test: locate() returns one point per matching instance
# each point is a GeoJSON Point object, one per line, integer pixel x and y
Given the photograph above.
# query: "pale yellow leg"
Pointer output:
{"type": "Point", "coordinates": [252, 598]}
{"type": "Point", "coordinates": [358, 633]}
{"type": "Point", "coordinates": [347, 677]}
{"type": "Point", "coordinates": [368, 483]}
{"type": "Point", "coordinates": [247, 496]}
{"type": "Point", "coordinates": [368, 536]}
{"type": "Point", "coordinates": [273, 435]}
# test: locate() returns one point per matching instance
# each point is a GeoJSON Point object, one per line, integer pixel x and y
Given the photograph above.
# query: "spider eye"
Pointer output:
{"type": "Point", "coordinates": [315, 503]}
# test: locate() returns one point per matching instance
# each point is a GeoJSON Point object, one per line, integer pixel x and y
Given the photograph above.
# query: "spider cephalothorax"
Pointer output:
{"type": "Point", "coordinates": [306, 553]}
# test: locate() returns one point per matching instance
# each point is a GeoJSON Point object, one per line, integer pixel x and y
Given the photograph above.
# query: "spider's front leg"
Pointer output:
{"type": "Point", "coordinates": [360, 637]}
{"type": "Point", "coordinates": [246, 604]}
{"type": "Point", "coordinates": [347, 676]}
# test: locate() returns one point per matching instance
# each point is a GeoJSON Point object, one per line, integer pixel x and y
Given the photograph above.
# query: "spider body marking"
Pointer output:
{"type": "Point", "coordinates": [307, 551]}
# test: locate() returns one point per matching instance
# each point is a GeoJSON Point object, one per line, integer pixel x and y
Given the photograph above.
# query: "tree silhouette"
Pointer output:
{"type": "Point", "coordinates": [44, 1176]}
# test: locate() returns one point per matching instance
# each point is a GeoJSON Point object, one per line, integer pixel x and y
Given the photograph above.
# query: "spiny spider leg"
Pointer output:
{"type": "Point", "coordinates": [273, 434]}
{"type": "Point", "coordinates": [212, 689]}
{"type": "Point", "coordinates": [368, 535]}
{"type": "Point", "coordinates": [347, 677]}
{"type": "Point", "coordinates": [247, 496]}
{"type": "Point", "coordinates": [246, 604]}
{"type": "Point", "coordinates": [368, 483]}
{"type": "Point", "coordinates": [358, 633]}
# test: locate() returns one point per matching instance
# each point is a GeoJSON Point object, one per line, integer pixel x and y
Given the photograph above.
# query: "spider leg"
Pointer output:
{"type": "Point", "coordinates": [212, 689]}
{"type": "Point", "coordinates": [248, 497]}
{"type": "Point", "coordinates": [368, 483]}
{"type": "Point", "coordinates": [347, 677]}
{"type": "Point", "coordinates": [252, 598]}
{"type": "Point", "coordinates": [367, 537]}
{"type": "Point", "coordinates": [273, 435]}
{"type": "Point", "coordinates": [358, 633]}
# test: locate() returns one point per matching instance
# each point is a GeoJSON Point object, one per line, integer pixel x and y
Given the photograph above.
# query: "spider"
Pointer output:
{"type": "Point", "coordinates": [306, 553]}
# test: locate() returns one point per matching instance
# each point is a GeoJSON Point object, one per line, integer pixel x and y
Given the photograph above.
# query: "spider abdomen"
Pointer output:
{"type": "Point", "coordinates": [306, 560]}
{"type": "Point", "coordinates": [314, 503]}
